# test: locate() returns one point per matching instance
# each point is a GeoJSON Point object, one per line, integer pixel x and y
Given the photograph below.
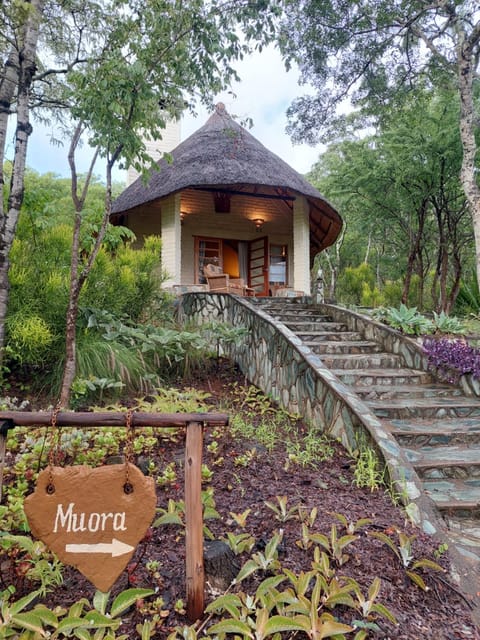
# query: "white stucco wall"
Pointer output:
{"type": "Point", "coordinates": [171, 256]}
{"type": "Point", "coordinates": [301, 246]}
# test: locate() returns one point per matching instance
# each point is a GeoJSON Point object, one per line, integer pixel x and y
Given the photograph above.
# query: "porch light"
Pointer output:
{"type": "Point", "coordinates": [258, 222]}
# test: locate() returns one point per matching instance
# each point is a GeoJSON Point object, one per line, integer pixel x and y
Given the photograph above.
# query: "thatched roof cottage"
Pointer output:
{"type": "Point", "coordinates": [227, 199]}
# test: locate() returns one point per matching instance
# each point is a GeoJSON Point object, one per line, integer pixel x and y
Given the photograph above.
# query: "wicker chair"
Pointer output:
{"type": "Point", "coordinates": [220, 282]}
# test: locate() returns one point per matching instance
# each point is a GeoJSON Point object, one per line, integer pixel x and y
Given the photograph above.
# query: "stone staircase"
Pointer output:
{"type": "Point", "coordinates": [436, 425]}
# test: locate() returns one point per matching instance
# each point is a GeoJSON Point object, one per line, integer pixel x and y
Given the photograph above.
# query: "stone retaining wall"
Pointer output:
{"type": "Point", "coordinates": [394, 342]}
{"type": "Point", "coordinates": [275, 360]}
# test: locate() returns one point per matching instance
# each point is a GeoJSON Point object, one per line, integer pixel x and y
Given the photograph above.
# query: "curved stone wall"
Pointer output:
{"type": "Point", "coordinates": [393, 341]}
{"type": "Point", "coordinates": [275, 360]}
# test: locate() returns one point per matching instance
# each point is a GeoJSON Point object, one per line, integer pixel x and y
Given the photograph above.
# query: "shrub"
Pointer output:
{"type": "Point", "coordinates": [392, 293]}
{"type": "Point", "coordinates": [371, 296]}
{"type": "Point", "coordinates": [468, 298]}
{"type": "Point", "coordinates": [452, 358]}
{"type": "Point", "coordinates": [29, 339]}
{"type": "Point", "coordinates": [352, 281]}
{"type": "Point", "coordinates": [447, 324]}
{"type": "Point", "coordinates": [407, 320]}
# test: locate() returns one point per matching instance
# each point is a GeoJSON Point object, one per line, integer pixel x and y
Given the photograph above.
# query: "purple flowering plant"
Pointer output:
{"type": "Point", "coordinates": [452, 358]}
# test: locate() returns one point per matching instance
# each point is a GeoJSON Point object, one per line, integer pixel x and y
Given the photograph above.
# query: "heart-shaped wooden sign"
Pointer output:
{"type": "Point", "coordinates": [92, 518]}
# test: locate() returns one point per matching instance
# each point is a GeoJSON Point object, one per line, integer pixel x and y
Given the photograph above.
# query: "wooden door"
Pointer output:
{"type": "Point", "coordinates": [258, 265]}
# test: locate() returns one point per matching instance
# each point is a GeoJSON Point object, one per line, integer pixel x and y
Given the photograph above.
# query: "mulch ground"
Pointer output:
{"type": "Point", "coordinates": [441, 612]}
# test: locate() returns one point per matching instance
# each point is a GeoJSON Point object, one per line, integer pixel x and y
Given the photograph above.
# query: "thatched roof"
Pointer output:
{"type": "Point", "coordinates": [223, 154]}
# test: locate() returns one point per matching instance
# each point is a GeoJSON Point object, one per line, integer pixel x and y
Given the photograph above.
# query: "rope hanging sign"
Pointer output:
{"type": "Point", "coordinates": [92, 519]}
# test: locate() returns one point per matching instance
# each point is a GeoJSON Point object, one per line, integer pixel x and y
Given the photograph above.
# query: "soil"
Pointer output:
{"type": "Point", "coordinates": [441, 612]}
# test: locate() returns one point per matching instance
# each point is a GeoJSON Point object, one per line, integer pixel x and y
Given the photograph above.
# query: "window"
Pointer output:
{"type": "Point", "coordinates": [278, 265]}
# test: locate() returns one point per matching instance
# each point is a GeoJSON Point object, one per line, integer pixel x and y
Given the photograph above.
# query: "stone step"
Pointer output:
{"type": "Point", "coordinates": [306, 328]}
{"type": "Point", "coordinates": [301, 327]}
{"type": "Point", "coordinates": [435, 463]}
{"type": "Point", "coordinates": [299, 316]}
{"type": "Point", "coordinates": [446, 432]}
{"type": "Point", "coordinates": [465, 534]}
{"type": "Point", "coordinates": [341, 346]}
{"type": "Point", "coordinates": [362, 361]}
{"type": "Point", "coordinates": [404, 408]}
{"type": "Point", "coordinates": [285, 304]}
{"type": "Point", "coordinates": [456, 497]}
{"type": "Point", "coordinates": [411, 391]}
{"type": "Point", "coordinates": [385, 377]}
{"type": "Point", "coordinates": [311, 337]}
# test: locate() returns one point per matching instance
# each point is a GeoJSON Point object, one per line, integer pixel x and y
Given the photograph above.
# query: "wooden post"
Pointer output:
{"type": "Point", "coordinates": [5, 425]}
{"type": "Point", "coordinates": [194, 521]}
{"type": "Point", "coordinates": [3, 448]}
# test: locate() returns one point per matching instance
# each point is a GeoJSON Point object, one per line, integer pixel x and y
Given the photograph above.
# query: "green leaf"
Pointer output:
{"type": "Point", "coordinates": [231, 626]}
{"type": "Point", "coordinates": [209, 513]}
{"type": "Point", "coordinates": [331, 628]}
{"type": "Point", "coordinates": [362, 624]}
{"type": "Point", "coordinates": [21, 604]}
{"type": "Point", "coordinates": [67, 625]}
{"type": "Point", "coordinates": [100, 621]}
{"type": "Point", "coordinates": [46, 615]}
{"type": "Point", "coordinates": [248, 568]}
{"type": "Point", "coordinates": [77, 608]}
{"type": "Point", "coordinates": [227, 602]}
{"type": "Point", "coordinates": [386, 540]}
{"type": "Point", "coordinates": [427, 564]}
{"type": "Point", "coordinates": [127, 598]}
{"type": "Point", "coordinates": [100, 600]}
{"type": "Point", "coordinates": [418, 580]}
{"type": "Point", "coordinates": [168, 518]}
{"type": "Point", "coordinates": [268, 584]}
{"type": "Point", "coordinates": [277, 624]}
{"type": "Point", "coordinates": [29, 621]}
{"type": "Point", "coordinates": [271, 547]}
{"type": "Point", "coordinates": [374, 589]}
{"type": "Point", "coordinates": [383, 611]}
{"type": "Point", "coordinates": [341, 597]}
{"type": "Point", "coordinates": [320, 538]}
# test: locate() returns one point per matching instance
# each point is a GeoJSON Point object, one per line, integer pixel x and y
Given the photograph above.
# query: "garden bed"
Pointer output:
{"type": "Point", "coordinates": [246, 468]}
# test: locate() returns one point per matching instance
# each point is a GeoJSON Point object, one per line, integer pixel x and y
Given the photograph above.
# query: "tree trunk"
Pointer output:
{"type": "Point", "coordinates": [77, 277]}
{"type": "Point", "coordinates": [69, 369]}
{"type": "Point", "coordinates": [467, 135]}
{"type": "Point", "coordinates": [8, 84]}
{"type": "Point", "coordinates": [408, 275]}
{"type": "Point", "coordinates": [19, 73]}
{"type": "Point", "coordinates": [415, 253]}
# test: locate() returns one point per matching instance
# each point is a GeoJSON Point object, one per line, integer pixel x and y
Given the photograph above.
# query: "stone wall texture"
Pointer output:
{"type": "Point", "coordinates": [275, 360]}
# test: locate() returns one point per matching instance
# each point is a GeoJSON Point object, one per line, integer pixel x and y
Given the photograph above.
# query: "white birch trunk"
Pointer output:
{"type": "Point", "coordinates": [21, 75]}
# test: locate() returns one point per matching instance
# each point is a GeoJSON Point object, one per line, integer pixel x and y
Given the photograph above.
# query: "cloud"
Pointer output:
{"type": "Point", "coordinates": [263, 94]}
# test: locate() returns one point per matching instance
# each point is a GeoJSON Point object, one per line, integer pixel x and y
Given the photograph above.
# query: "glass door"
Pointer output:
{"type": "Point", "coordinates": [278, 274]}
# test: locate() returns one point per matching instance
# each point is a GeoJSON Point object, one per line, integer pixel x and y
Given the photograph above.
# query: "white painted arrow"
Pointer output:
{"type": "Point", "coordinates": [115, 548]}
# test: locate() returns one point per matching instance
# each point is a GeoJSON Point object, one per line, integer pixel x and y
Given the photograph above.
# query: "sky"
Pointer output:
{"type": "Point", "coordinates": [264, 93]}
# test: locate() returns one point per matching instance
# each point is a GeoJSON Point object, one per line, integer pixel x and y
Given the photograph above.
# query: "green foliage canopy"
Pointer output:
{"type": "Point", "coordinates": [400, 193]}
